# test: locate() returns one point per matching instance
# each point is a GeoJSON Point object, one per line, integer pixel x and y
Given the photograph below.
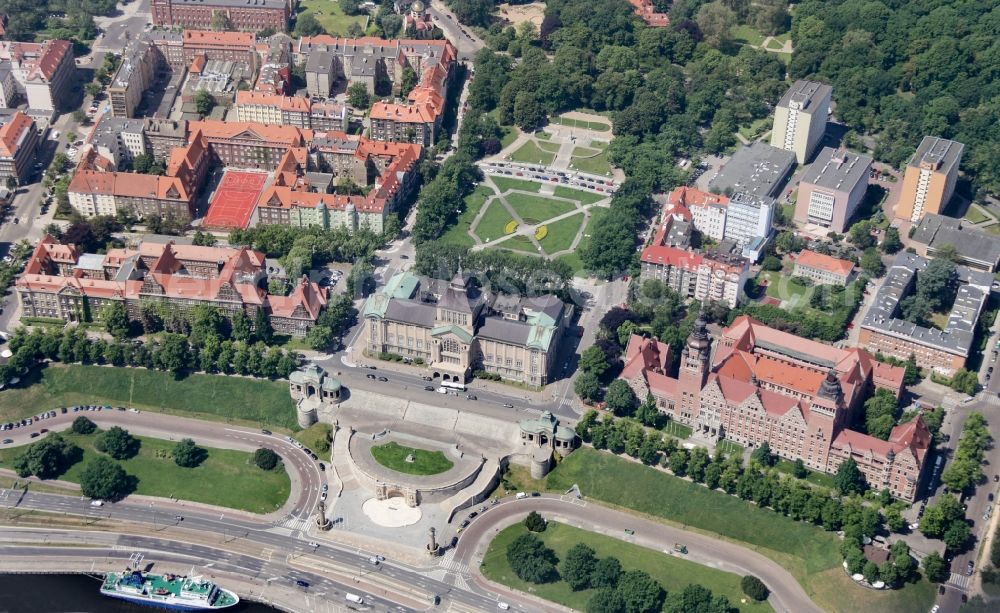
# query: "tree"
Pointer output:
{"type": "Point", "coordinates": [220, 22]}
{"type": "Point", "coordinates": [203, 239]}
{"type": "Point", "coordinates": [534, 522]}
{"type": "Point", "coordinates": [204, 102]}
{"type": "Point", "coordinates": [578, 567]}
{"type": "Point", "coordinates": [754, 588]}
{"type": "Point", "coordinates": [860, 234]}
{"type": "Point", "coordinates": [639, 592]}
{"type": "Point", "coordinates": [956, 537]}
{"type": "Point", "coordinates": [871, 262]}
{"type": "Point", "coordinates": [799, 469]}
{"type": "Point", "coordinates": [763, 456]}
{"type": "Point", "coordinates": [117, 443]}
{"type": "Point", "coordinates": [849, 478]}
{"type": "Point", "coordinates": [936, 568]}
{"type": "Point", "coordinates": [594, 360]}
{"type": "Point", "coordinates": [83, 425]}
{"type": "Point", "coordinates": [620, 398]}
{"type": "Point", "coordinates": [891, 243]}
{"type": "Point", "coordinates": [716, 22]}
{"type": "Point", "coordinates": [189, 455]}
{"type": "Point", "coordinates": [881, 412]}
{"type": "Point", "coordinates": [965, 381]}
{"type": "Point", "coordinates": [242, 329]}
{"type": "Point", "coordinates": [606, 573]}
{"type": "Point", "coordinates": [104, 479]}
{"type": "Point", "coordinates": [265, 459]}
{"type": "Point", "coordinates": [939, 517]}
{"type": "Point", "coordinates": [771, 263]}
{"type": "Point", "coordinates": [528, 111]}
{"type": "Point", "coordinates": [307, 25]}
{"type": "Point", "coordinates": [606, 600]}
{"type": "Point", "coordinates": [116, 320]}
{"type": "Point", "coordinates": [173, 354]}
{"type": "Point", "coordinates": [319, 338]}
{"type": "Point", "coordinates": [358, 96]}
{"type": "Point", "coordinates": [47, 458]}
{"type": "Point", "coordinates": [531, 560]}
{"type": "Point", "coordinates": [262, 327]}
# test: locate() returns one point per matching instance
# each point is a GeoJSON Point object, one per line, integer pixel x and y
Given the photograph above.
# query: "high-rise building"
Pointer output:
{"type": "Point", "coordinates": [800, 118]}
{"type": "Point", "coordinates": [832, 189]}
{"type": "Point", "coordinates": [929, 180]}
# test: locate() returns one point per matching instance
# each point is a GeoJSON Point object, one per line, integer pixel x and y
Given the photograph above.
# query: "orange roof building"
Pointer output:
{"type": "Point", "coordinates": [59, 282]}
{"type": "Point", "coordinates": [273, 109]}
{"type": "Point", "coordinates": [18, 146]}
{"type": "Point", "coordinates": [45, 71]}
{"type": "Point", "coordinates": [761, 384]}
{"type": "Point", "coordinates": [647, 12]}
{"type": "Point", "coordinates": [823, 269]}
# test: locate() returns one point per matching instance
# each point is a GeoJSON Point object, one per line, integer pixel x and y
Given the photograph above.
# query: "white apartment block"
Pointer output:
{"type": "Point", "coordinates": [749, 217]}
{"type": "Point", "coordinates": [800, 118]}
{"type": "Point", "coordinates": [710, 219]}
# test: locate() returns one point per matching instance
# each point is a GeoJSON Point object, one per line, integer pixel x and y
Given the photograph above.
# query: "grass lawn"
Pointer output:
{"type": "Point", "coordinates": [755, 129]}
{"type": "Point", "coordinates": [330, 16]}
{"type": "Point", "coordinates": [504, 184]}
{"type": "Point", "coordinates": [774, 44]}
{"type": "Point", "coordinates": [747, 35]}
{"type": "Point", "coordinates": [729, 447]}
{"type": "Point", "coordinates": [677, 430]}
{"type": "Point", "coordinates": [458, 234]}
{"type": "Point", "coordinates": [573, 259]}
{"type": "Point", "coordinates": [976, 215]}
{"type": "Point", "coordinates": [491, 224]}
{"type": "Point", "coordinates": [536, 209]}
{"type": "Point", "coordinates": [785, 288]}
{"type": "Point", "coordinates": [579, 195]}
{"type": "Point", "coordinates": [816, 478]}
{"type": "Point", "coordinates": [674, 573]}
{"type": "Point", "coordinates": [576, 123]}
{"type": "Point", "coordinates": [783, 37]}
{"type": "Point", "coordinates": [561, 234]}
{"type": "Point", "coordinates": [226, 478]}
{"type": "Point", "coordinates": [254, 402]}
{"type": "Point", "coordinates": [531, 153]}
{"type": "Point", "coordinates": [393, 455]}
{"type": "Point", "coordinates": [597, 164]}
{"type": "Point", "coordinates": [316, 437]}
{"type": "Point", "coordinates": [520, 243]}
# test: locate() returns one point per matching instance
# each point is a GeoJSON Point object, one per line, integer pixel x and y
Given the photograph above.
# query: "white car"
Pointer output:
{"type": "Point", "coordinates": [97, 503]}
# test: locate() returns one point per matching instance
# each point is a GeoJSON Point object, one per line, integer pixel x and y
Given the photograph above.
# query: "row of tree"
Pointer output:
{"type": "Point", "coordinates": [169, 352]}
{"type": "Point", "coordinates": [301, 250]}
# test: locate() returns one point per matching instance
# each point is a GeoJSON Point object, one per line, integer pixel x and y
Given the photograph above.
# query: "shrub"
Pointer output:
{"type": "Point", "coordinates": [265, 459]}
{"type": "Point", "coordinates": [117, 443]}
{"type": "Point", "coordinates": [534, 522]}
{"type": "Point", "coordinates": [83, 425]}
{"type": "Point", "coordinates": [754, 588]}
{"type": "Point", "coordinates": [531, 560]}
{"type": "Point", "coordinates": [188, 455]}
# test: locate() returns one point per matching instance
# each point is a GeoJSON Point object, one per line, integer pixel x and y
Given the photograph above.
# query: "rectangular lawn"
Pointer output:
{"type": "Point", "coordinates": [331, 16]}
{"type": "Point", "coordinates": [583, 197]}
{"type": "Point", "coordinates": [506, 183]}
{"type": "Point", "coordinates": [561, 234]}
{"type": "Point", "coordinates": [215, 397]}
{"type": "Point", "coordinates": [598, 126]}
{"type": "Point", "coordinates": [531, 153]}
{"type": "Point", "coordinates": [226, 478]}
{"type": "Point", "coordinates": [458, 234]}
{"type": "Point", "coordinates": [674, 573]}
{"type": "Point", "coordinates": [491, 225]}
{"type": "Point", "coordinates": [536, 209]}
{"type": "Point", "coordinates": [573, 259]}
{"type": "Point", "coordinates": [585, 161]}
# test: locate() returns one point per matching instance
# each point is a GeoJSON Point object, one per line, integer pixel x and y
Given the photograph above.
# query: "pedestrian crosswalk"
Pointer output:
{"type": "Point", "coordinates": [991, 399]}
{"type": "Point", "coordinates": [294, 523]}
{"type": "Point", "coordinates": [959, 580]}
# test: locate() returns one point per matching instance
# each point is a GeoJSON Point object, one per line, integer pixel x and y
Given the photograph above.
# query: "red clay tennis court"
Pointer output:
{"type": "Point", "coordinates": [234, 199]}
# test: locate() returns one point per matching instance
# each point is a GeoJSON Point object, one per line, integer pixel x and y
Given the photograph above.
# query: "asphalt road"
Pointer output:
{"type": "Point", "coordinates": [786, 593]}
{"type": "Point", "coordinates": [466, 42]}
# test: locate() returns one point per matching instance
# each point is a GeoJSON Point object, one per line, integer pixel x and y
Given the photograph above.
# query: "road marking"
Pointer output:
{"type": "Point", "coordinates": [959, 580]}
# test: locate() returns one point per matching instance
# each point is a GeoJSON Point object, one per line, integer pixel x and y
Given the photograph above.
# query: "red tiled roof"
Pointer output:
{"type": "Point", "coordinates": [225, 39]}
{"type": "Point", "coordinates": [12, 132]}
{"type": "Point", "coordinates": [52, 55]}
{"type": "Point", "coordinates": [292, 104]}
{"type": "Point", "coordinates": [826, 263]}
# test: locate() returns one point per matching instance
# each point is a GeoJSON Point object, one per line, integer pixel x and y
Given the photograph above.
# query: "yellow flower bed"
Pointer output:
{"type": "Point", "coordinates": [541, 232]}
{"type": "Point", "coordinates": [510, 227]}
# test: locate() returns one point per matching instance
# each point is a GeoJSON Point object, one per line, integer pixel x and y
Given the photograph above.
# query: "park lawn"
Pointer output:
{"type": "Point", "coordinates": [491, 224]}
{"type": "Point", "coordinates": [536, 209]}
{"type": "Point", "coordinates": [256, 402]}
{"type": "Point", "coordinates": [774, 44]}
{"type": "Point", "coordinates": [598, 126]}
{"type": "Point", "coordinates": [783, 37]}
{"type": "Point", "coordinates": [597, 164]}
{"type": "Point", "coordinates": [573, 259]}
{"type": "Point", "coordinates": [755, 129]}
{"type": "Point", "coordinates": [784, 287]}
{"type": "Point", "coordinates": [458, 234]}
{"type": "Point", "coordinates": [316, 437]}
{"type": "Point", "coordinates": [975, 215]}
{"type": "Point", "coordinates": [832, 590]}
{"type": "Point", "coordinates": [802, 548]}
{"type": "Point", "coordinates": [227, 478]}
{"type": "Point", "coordinates": [519, 243]}
{"type": "Point", "coordinates": [393, 455]}
{"type": "Point", "coordinates": [504, 184]}
{"type": "Point", "coordinates": [581, 196]}
{"type": "Point", "coordinates": [330, 16]}
{"type": "Point", "coordinates": [747, 35]}
{"type": "Point", "coordinates": [674, 573]}
{"type": "Point", "coordinates": [678, 430]}
{"type": "Point", "coordinates": [730, 448]}
{"type": "Point", "coordinates": [816, 478]}
{"type": "Point", "coordinates": [531, 153]}
{"type": "Point", "coordinates": [561, 234]}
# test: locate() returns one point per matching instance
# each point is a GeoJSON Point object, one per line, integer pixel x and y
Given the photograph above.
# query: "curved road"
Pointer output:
{"type": "Point", "coordinates": [305, 475]}
{"type": "Point", "coordinates": [786, 593]}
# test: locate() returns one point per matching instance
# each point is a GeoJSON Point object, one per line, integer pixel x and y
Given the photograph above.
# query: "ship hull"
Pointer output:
{"type": "Point", "coordinates": [170, 606]}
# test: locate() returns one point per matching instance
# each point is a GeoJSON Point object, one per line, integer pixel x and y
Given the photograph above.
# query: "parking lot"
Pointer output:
{"type": "Point", "coordinates": [572, 178]}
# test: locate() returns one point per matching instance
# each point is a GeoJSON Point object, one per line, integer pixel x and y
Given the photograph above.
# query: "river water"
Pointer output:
{"type": "Point", "coordinates": [75, 594]}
